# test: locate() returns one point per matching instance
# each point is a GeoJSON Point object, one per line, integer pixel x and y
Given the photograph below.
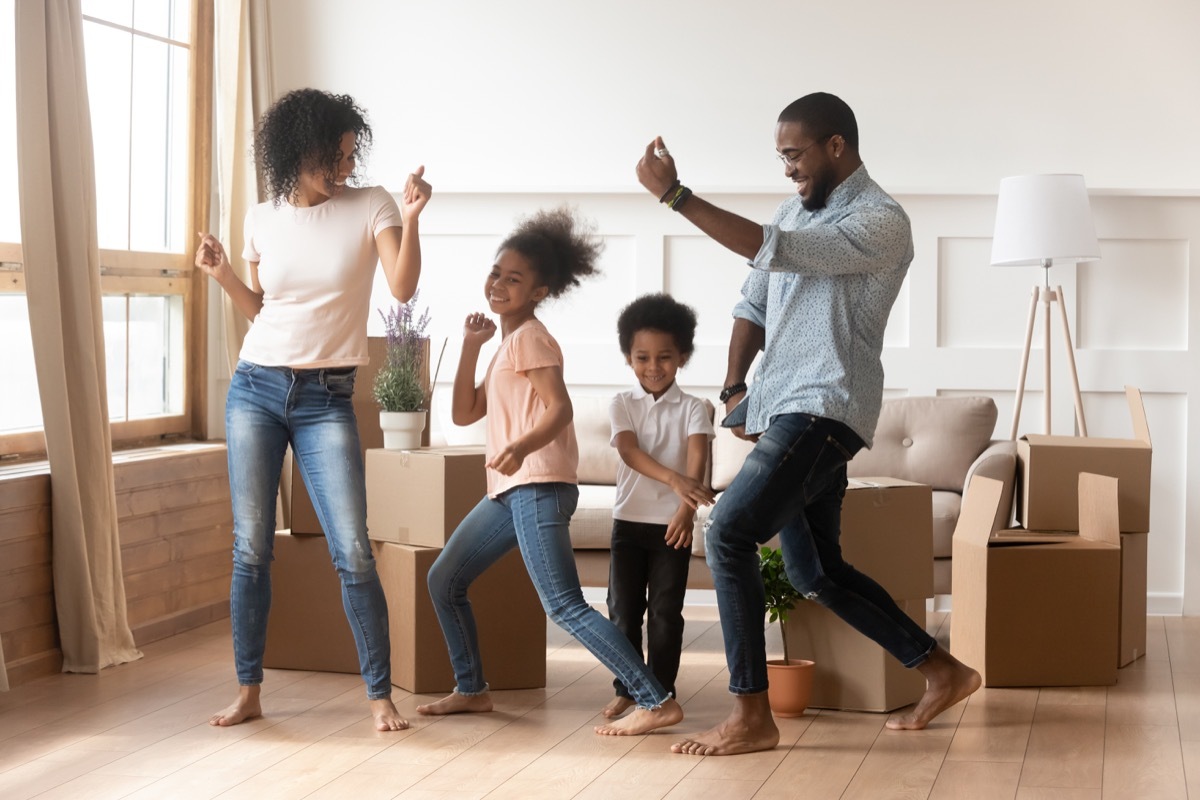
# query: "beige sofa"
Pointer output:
{"type": "Point", "coordinates": [939, 441]}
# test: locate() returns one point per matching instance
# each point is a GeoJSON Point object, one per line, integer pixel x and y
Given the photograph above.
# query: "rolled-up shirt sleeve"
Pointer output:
{"type": "Point", "coordinates": [868, 240]}
{"type": "Point", "coordinates": [753, 305]}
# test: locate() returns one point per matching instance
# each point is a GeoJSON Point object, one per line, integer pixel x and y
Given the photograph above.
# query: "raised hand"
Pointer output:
{"type": "Point", "coordinates": [210, 256]}
{"type": "Point", "coordinates": [417, 192]}
{"type": "Point", "coordinates": [656, 170]}
{"type": "Point", "coordinates": [478, 329]}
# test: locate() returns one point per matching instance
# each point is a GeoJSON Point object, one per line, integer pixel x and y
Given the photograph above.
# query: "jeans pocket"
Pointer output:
{"type": "Point", "coordinates": [245, 367]}
{"type": "Point", "coordinates": [339, 382]}
{"type": "Point", "coordinates": [566, 497]}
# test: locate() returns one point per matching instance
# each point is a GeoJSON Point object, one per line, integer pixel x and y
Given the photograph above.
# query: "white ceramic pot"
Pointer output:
{"type": "Point", "coordinates": [402, 429]}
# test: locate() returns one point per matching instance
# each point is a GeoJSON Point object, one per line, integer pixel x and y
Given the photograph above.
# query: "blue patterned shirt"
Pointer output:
{"type": "Point", "coordinates": [822, 287]}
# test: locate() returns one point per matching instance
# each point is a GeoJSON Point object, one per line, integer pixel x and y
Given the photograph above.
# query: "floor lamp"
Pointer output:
{"type": "Point", "coordinates": [1044, 220]}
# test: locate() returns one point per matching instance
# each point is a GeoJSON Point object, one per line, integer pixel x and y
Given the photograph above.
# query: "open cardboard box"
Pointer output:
{"type": "Point", "coordinates": [1050, 467]}
{"type": "Point", "coordinates": [1038, 609]}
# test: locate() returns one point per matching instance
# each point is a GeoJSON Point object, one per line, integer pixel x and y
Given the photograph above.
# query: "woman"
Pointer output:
{"type": "Point", "coordinates": [312, 251]}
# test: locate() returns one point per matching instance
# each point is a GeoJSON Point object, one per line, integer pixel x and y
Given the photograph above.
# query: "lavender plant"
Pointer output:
{"type": "Point", "coordinates": [398, 383]}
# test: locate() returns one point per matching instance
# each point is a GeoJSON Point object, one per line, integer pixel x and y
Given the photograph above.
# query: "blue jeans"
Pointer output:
{"type": "Point", "coordinates": [793, 482]}
{"type": "Point", "coordinates": [269, 408]}
{"type": "Point", "coordinates": [533, 517]}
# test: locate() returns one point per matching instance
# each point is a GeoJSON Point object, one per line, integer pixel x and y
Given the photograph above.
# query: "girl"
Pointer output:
{"type": "Point", "coordinates": [531, 461]}
{"type": "Point", "coordinates": [312, 252]}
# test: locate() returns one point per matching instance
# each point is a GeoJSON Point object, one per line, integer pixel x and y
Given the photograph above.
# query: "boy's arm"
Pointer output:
{"type": "Point", "coordinates": [690, 487]}
{"type": "Point", "coordinates": [679, 529]}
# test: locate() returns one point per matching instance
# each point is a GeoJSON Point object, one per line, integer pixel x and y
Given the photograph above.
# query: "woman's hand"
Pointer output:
{"type": "Point", "coordinates": [211, 258]}
{"type": "Point", "coordinates": [478, 329]}
{"type": "Point", "coordinates": [417, 192]}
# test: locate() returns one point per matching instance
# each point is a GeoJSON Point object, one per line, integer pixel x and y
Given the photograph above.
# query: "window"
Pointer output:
{"type": "Point", "coordinates": [139, 60]}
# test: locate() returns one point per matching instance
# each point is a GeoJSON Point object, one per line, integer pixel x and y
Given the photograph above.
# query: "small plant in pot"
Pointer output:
{"type": "Point", "coordinates": [790, 680]}
{"type": "Point", "coordinates": [399, 389]}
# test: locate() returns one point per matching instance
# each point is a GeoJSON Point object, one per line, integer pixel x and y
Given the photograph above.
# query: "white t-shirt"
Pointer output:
{"type": "Point", "coordinates": [316, 266]}
{"type": "Point", "coordinates": [662, 428]}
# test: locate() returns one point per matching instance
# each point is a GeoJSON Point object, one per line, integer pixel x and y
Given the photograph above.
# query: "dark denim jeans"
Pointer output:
{"type": "Point", "coordinates": [268, 408]}
{"type": "Point", "coordinates": [534, 517]}
{"type": "Point", "coordinates": [793, 482]}
{"type": "Point", "coordinates": [647, 574]}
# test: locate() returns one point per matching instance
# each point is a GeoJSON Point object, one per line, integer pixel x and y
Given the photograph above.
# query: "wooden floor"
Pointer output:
{"type": "Point", "coordinates": [140, 731]}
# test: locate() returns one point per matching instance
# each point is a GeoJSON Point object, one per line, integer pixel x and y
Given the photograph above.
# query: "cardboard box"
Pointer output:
{"type": "Point", "coordinates": [851, 672]}
{"type": "Point", "coordinates": [418, 497]}
{"type": "Point", "coordinates": [1132, 643]}
{"type": "Point", "coordinates": [299, 516]}
{"type": "Point", "coordinates": [887, 533]}
{"type": "Point", "coordinates": [307, 628]}
{"type": "Point", "coordinates": [1050, 468]}
{"type": "Point", "coordinates": [508, 615]}
{"type": "Point", "coordinates": [1035, 609]}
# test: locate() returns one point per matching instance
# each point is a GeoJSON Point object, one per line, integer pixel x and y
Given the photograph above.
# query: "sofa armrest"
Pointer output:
{"type": "Point", "coordinates": [999, 462]}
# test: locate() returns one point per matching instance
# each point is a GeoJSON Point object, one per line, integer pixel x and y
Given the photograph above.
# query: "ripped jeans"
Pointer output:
{"type": "Point", "coordinates": [793, 483]}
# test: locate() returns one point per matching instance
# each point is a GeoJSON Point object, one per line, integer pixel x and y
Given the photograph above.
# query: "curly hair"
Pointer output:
{"type": "Point", "coordinates": [560, 248]}
{"type": "Point", "coordinates": [658, 312]}
{"type": "Point", "coordinates": [303, 130]}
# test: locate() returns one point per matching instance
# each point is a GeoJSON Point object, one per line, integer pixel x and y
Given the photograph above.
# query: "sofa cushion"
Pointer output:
{"type": "Point", "coordinates": [593, 431]}
{"type": "Point", "coordinates": [591, 524]}
{"type": "Point", "coordinates": [946, 507]}
{"type": "Point", "coordinates": [728, 453]}
{"type": "Point", "coordinates": [930, 440]}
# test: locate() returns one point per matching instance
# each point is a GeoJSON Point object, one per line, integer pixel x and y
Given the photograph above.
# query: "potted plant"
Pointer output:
{"type": "Point", "coordinates": [789, 682]}
{"type": "Point", "coordinates": [399, 389]}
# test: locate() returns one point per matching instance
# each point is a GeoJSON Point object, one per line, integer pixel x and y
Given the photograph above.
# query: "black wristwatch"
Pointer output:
{"type": "Point", "coordinates": [730, 390]}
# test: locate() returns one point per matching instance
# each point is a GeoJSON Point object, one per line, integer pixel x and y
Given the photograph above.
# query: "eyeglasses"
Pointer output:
{"type": "Point", "coordinates": [792, 161]}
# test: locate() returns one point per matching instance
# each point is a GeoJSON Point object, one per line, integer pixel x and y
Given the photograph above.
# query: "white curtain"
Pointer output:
{"type": "Point", "coordinates": [56, 179]}
{"type": "Point", "coordinates": [243, 90]}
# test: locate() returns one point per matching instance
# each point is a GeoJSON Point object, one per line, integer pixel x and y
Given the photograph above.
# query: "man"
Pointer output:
{"type": "Point", "coordinates": [825, 274]}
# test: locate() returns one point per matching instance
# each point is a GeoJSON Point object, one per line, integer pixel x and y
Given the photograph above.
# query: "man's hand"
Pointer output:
{"type": "Point", "coordinates": [656, 171]}
{"type": "Point", "coordinates": [740, 430]}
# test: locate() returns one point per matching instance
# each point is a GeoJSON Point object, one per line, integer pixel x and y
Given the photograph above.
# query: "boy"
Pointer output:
{"type": "Point", "coordinates": [662, 436]}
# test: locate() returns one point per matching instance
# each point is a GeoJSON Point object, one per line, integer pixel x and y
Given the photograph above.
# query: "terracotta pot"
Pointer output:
{"type": "Point", "coordinates": [789, 688]}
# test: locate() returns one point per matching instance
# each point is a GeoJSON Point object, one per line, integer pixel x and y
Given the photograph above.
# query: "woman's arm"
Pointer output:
{"type": "Point", "coordinates": [213, 261]}
{"type": "Point", "coordinates": [400, 247]}
{"type": "Point", "coordinates": [549, 385]}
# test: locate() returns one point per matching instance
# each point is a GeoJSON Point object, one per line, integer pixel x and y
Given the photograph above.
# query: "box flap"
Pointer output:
{"type": "Point", "coordinates": [1099, 513]}
{"type": "Point", "coordinates": [978, 516]}
{"type": "Point", "coordinates": [1022, 536]}
{"type": "Point", "coordinates": [1137, 412]}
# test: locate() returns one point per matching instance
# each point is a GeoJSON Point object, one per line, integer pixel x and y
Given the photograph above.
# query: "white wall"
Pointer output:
{"type": "Point", "coordinates": [951, 96]}
{"type": "Point", "coordinates": [518, 105]}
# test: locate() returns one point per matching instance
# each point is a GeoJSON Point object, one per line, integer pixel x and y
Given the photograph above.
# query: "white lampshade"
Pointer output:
{"type": "Point", "coordinates": [1041, 218]}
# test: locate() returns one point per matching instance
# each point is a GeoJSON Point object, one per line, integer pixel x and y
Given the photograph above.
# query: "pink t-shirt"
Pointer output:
{"type": "Point", "coordinates": [513, 408]}
{"type": "Point", "coordinates": [315, 265]}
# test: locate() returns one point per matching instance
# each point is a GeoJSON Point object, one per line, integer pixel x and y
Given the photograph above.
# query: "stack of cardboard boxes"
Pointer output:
{"type": "Point", "coordinates": [886, 534]}
{"type": "Point", "coordinates": [1062, 600]}
{"type": "Point", "coordinates": [415, 500]}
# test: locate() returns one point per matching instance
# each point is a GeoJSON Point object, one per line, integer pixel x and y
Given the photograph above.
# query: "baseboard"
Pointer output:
{"type": "Point", "coordinates": [1163, 604]}
{"type": "Point", "coordinates": [179, 622]}
{"type": "Point", "coordinates": [30, 668]}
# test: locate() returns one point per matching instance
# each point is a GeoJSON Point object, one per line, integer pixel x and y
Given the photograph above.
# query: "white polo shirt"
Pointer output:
{"type": "Point", "coordinates": [662, 428]}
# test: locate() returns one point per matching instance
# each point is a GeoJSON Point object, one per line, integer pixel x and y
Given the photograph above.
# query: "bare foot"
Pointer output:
{"type": "Point", "coordinates": [387, 718]}
{"type": "Point", "coordinates": [644, 720]}
{"type": "Point", "coordinates": [245, 707]}
{"type": "Point", "coordinates": [749, 728]}
{"type": "Point", "coordinates": [948, 681]}
{"type": "Point", "coordinates": [616, 707]}
{"type": "Point", "coordinates": [455, 703]}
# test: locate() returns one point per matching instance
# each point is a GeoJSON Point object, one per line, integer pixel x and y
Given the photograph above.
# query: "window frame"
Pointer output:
{"type": "Point", "coordinates": [137, 272]}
